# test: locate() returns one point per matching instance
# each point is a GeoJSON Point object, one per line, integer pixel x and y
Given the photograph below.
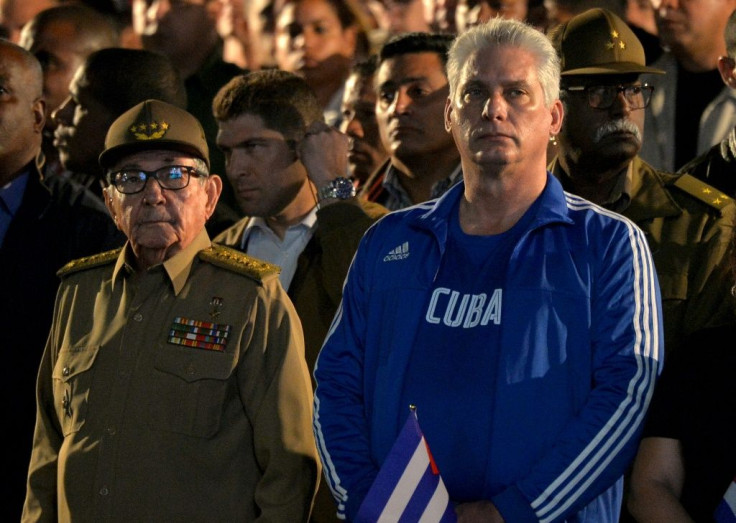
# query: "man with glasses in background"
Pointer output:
{"type": "Point", "coordinates": [173, 386]}
{"type": "Point", "coordinates": [687, 223]}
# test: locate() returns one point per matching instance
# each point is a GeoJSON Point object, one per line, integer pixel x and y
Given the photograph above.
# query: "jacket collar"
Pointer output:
{"type": "Point", "coordinates": [643, 191]}
{"type": "Point", "coordinates": [552, 208]}
{"type": "Point", "coordinates": [177, 267]}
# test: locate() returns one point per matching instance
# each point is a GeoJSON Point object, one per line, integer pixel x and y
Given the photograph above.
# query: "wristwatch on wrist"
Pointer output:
{"type": "Point", "coordinates": [341, 188]}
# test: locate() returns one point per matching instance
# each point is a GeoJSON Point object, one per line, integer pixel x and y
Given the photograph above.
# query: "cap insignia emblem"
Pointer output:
{"type": "Point", "coordinates": [615, 41]}
{"type": "Point", "coordinates": [150, 131]}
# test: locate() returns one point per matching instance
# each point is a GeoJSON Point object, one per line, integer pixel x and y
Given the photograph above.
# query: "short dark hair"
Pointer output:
{"type": "Point", "coordinates": [283, 100]}
{"type": "Point", "coordinates": [120, 78]}
{"type": "Point", "coordinates": [417, 42]}
{"type": "Point", "coordinates": [365, 68]}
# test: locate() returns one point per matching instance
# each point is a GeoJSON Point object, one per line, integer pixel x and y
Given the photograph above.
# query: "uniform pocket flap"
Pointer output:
{"type": "Point", "coordinates": [192, 364]}
{"type": "Point", "coordinates": [74, 361]}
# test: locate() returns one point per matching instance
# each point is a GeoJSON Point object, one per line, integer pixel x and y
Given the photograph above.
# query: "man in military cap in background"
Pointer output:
{"type": "Point", "coordinates": [688, 224]}
{"type": "Point", "coordinates": [173, 386]}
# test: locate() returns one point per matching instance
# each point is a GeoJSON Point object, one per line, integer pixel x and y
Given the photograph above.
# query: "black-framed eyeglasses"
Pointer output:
{"type": "Point", "coordinates": [603, 96]}
{"type": "Point", "coordinates": [171, 177]}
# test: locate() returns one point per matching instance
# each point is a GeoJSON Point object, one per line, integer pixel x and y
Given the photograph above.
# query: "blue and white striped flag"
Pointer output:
{"type": "Point", "coordinates": [408, 488]}
{"type": "Point", "coordinates": [726, 511]}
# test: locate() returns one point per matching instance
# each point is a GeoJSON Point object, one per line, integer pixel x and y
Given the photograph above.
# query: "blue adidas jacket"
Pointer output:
{"type": "Point", "coordinates": [581, 347]}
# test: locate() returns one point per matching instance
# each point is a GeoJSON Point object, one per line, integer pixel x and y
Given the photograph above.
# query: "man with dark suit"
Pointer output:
{"type": "Point", "coordinates": [43, 225]}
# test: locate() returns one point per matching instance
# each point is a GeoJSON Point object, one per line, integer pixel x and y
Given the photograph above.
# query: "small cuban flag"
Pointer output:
{"type": "Point", "coordinates": [408, 488]}
{"type": "Point", "coordinates": [726, 510]}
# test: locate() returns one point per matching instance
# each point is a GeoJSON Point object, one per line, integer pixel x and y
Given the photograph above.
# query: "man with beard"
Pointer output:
{"type": "Point", "coordinates": [688, 223]}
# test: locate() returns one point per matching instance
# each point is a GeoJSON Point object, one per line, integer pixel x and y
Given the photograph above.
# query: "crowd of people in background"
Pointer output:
{"type": "Point", "coordinates": [358, 166]}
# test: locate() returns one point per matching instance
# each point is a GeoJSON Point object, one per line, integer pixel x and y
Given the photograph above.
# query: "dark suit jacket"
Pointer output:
{"type": "Point", "coordinates": [56, 222]}
{"type": "Point", "coordinates": [316, 288]}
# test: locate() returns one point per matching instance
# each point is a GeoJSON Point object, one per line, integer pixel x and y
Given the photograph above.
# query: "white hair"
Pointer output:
{"type": "Point", "coordinates": [501, 32]}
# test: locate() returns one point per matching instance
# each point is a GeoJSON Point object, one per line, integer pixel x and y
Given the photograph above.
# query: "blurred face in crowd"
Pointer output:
{"type": "Point", "coordinates": [61, 51]}
{"type": "Point", "coordinates": [158, 220]}
{"type": "Point", "coordinates": [473, 12]}
{"type": "Point", "coordinates": [81, 122]}
{"type": "Point", "coordinates": [412, 89]}
{"type": "Point", "coordinates": [14, 14]}
{"type": "Point", "coordinates": [692, 25]}
{"type": "Point", "coordinates": [359, 123]}
{"type": "Point", "coordinates": [262, 166]}
{"type": "Point", "coordinates": [310, 40]}
{"type": "Point", "coordinates": [21, 113]}
{"type": "Point", "coordinates": [605, 136]}
{"type": "Point", "coordinates": [173, 28]}
{"type": "Point", "coordinates": [406, 16]}
{"type": "Point", "coordinates": [443, 19]}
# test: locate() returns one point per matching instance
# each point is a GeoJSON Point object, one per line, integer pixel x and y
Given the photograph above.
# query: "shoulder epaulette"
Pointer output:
{"type": "Point", "coordinates": [88, 262]}
{"type": "Point", "coordinates": [237, 261]}
{"type": "Point", "coordinates": [702, 191]}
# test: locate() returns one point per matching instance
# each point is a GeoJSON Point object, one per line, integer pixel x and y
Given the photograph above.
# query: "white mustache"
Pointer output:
{"type": "Point", "coordinates": [616, 126]}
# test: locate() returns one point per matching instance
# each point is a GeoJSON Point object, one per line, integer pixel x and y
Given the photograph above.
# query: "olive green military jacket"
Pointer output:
{"type": "Point", "coordinates": [177, 395]}
{"type": "Point", "coordinates": [688, 225]}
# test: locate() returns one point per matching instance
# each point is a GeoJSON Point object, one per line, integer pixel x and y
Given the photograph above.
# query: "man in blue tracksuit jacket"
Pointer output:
{"type": "Point", "coordinates": [529, 349]}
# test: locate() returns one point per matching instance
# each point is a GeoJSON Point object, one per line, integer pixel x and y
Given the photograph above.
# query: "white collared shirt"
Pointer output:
{"type": "Point", "coordinates": [261, 242]}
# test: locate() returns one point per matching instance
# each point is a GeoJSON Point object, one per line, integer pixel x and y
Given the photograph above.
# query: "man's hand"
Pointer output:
{"type": "Point", "coordinates": [478, 512]}
{"type": "Point", "coordinates": [324, 152]}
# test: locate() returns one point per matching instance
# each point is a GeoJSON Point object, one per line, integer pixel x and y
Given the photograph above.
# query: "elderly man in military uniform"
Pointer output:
{"type": "Point", "coordinates": [688, 223]}
{"type": "Point", "coordinates": [173, 386]}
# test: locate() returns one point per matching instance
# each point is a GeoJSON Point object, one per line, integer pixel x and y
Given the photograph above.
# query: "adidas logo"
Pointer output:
{"type": "Point", "coordinates": [399, 253]}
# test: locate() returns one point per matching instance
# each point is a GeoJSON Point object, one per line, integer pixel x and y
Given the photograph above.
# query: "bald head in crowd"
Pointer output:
{"type": "Point", "coordinates": [21, 109]}
{"type": "Point", "coordinates": [61, 38]}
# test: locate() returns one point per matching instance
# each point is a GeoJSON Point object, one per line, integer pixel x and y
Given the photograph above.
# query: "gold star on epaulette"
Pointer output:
{"type": "Point", "coordinates": [609, 45]}
{"type": "Point", "coordinates": [154, 125]}
{"type": "Point", "coordinates": [164, 126]}
{"type": "Point", "coordinates": [614, 34]}
{"type": "Point", "coordinates": [622, 44]}
{"type": "Point", "coordinates": [702, 191]}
